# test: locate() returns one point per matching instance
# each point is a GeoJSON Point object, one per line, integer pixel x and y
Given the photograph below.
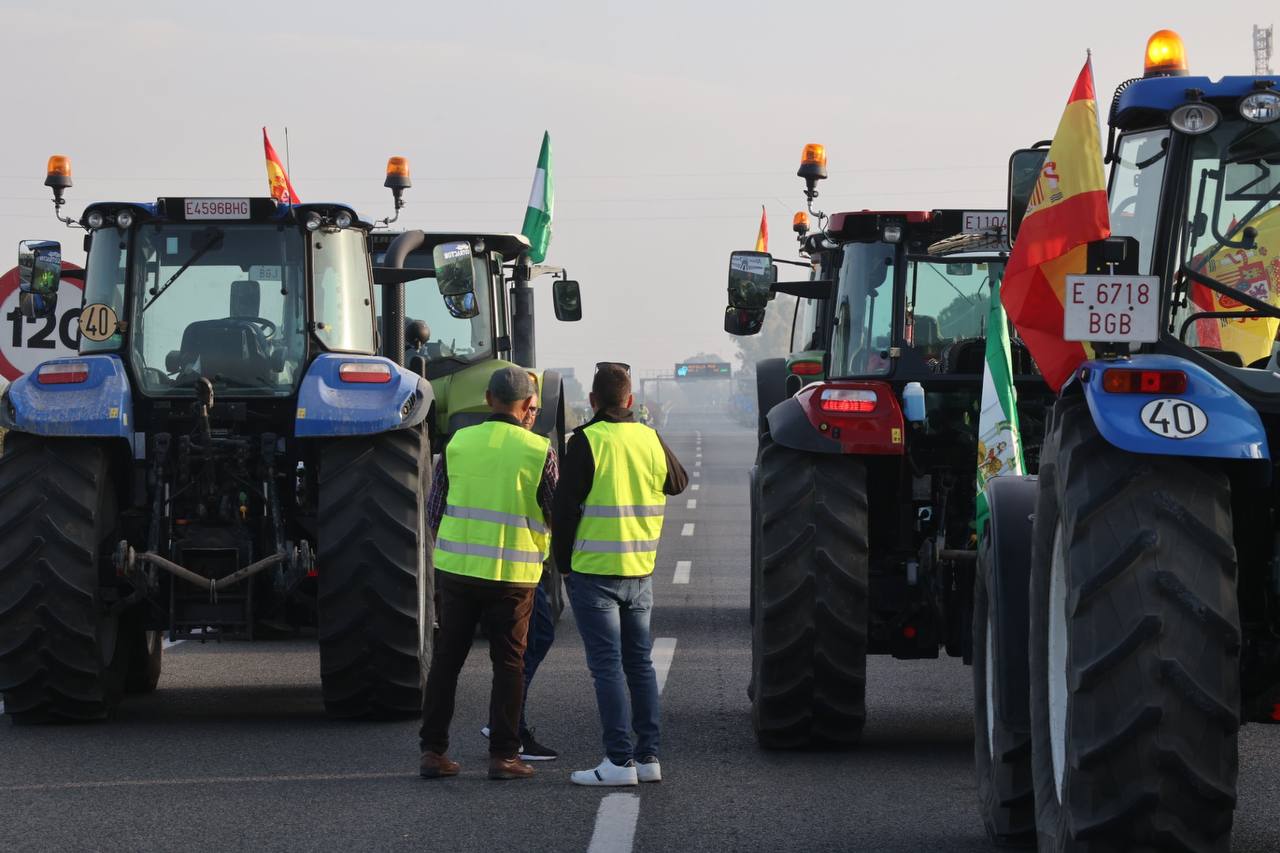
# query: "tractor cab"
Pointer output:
{"type": "Point", "coordinates": [903, 294]}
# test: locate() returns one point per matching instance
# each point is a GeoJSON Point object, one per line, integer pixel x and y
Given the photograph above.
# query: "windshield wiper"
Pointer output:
{"type": "Point", "coordinates": [213, 239]}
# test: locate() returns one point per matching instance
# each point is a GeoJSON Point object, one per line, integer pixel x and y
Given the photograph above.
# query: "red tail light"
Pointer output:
{"type": "Point", "coordinates": [806, 368]}
{"type": "Point", "coordinates": [366, 372]}
{"type": "Point", "coordinates": [1122, 381]}
{"type": "Point", "coordinates": [65, 373]}
{"type": "Point", "coordinates": [847, 401]}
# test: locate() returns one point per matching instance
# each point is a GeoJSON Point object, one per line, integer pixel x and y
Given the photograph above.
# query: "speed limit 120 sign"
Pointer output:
{"type": "Point", "coordinates": [26, 343]}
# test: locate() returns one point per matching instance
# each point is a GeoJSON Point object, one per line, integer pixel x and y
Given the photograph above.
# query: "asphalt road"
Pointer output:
{"type": "Point", "coordinates": [233, 752]}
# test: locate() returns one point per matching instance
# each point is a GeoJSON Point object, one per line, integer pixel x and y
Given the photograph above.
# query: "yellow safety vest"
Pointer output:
{"type": "Point", "coordinates": [622, 516]}
{"type": "Point", "coordinates": [493, 527]}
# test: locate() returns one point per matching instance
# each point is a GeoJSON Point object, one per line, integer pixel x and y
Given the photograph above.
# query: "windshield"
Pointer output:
{"type": "Point", "coordinates": [224, 302]}
{"type": "Point", "coordinates": [1231, 234]}
{"type": "Point", "coordinates": [863, 311]}
{"type": "Point", "coordinates": [947, 301]}
{"type": "Point", "coordinates": [447, 337]}
{"type": "Point", "coordinates": [342, 288]}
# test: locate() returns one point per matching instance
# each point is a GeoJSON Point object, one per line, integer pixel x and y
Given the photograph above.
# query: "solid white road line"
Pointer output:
{"type": "Point", "coordinates": [692, 503]}
{"type": "Point", "coordinates": [682, 571]}
{"type": "Point", "coordinates": [206, 780]}
{"type": "Point", "coordinates": [664, 649]}
{"type": "Point", "coordinates": [616, 819]}
{"type": "Point", "coordinates": [687, 530]}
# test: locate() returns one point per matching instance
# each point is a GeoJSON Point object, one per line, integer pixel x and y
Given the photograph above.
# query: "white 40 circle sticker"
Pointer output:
{"type": "Point", "coordinates": [1173, 418]}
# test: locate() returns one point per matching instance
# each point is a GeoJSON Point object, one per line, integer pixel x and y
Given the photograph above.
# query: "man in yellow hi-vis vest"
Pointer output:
{"type": "Point", "coordinates": [609, 506]}
{"type": "Point", "coordinates": [493, 539]}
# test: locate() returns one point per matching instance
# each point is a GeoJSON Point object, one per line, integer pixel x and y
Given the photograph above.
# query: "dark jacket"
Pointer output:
{"type": "Point", "coordinates": [578, 472]}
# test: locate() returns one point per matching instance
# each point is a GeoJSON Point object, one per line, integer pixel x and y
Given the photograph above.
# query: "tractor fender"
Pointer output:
{"type": "Point", "coordinates": [1227, 427]}
{"type": "Point", "coordinates": [800, 423]}
{"type": "Point", "coordinates": [328, 406]}
{"type": "Point", "coordinates": [101, 406]}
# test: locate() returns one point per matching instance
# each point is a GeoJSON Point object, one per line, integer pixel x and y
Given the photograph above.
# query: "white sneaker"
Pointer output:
{"type": "Point", "coordinates": [607, 774]}
{"type": "Point", "coordinates": [649, 770]}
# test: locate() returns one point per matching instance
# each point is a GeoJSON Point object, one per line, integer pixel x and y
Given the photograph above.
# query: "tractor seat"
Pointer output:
{"type": "Point", "coordinates": [965, 356]}
{"type": "Point", "coordinates": [230, 349]}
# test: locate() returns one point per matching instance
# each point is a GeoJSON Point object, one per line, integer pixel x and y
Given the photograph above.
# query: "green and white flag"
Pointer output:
{"type": "Point", "coordinates": [999, 443]}
{"type": "Point", "coordinates": [537, 219]}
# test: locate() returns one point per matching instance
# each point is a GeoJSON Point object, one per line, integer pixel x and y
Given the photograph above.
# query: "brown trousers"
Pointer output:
{"type": "Point", "coordinates": [503, 609]}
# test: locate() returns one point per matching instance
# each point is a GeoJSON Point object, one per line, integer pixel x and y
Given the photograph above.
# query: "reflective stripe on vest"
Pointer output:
{"type": "Point", "coordinates": [493, 527]}
{"type": "Point", "coordinates": [622, 515]}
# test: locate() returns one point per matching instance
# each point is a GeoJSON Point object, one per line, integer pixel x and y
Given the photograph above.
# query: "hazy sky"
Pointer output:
{"type": "Point", "coordinates": [671, 123]}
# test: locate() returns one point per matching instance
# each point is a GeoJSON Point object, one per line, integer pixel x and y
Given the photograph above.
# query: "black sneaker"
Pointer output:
{"type": "Point", "coordinates": [531, 750]}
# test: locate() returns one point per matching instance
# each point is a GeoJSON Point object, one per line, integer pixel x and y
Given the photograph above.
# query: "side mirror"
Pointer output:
{"type": "Point", "coordinates": [1024, 171]}
{"type": "Point", "coordinates": [743, 321]}
{"type": "Point", "coordinates": [39, 274]}
{"type": "Point", "coordinates": [567, 299]}
{"type": "Point", "coordinates": [462, 306]}
{"type": "Point", "coordinates": [455, 273]}
{"type": "Point", "coordinates": [751, 279]}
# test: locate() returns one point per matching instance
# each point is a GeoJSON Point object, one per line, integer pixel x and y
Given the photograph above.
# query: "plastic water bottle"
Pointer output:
{"type": "Point", "coordinates": [913, 402]}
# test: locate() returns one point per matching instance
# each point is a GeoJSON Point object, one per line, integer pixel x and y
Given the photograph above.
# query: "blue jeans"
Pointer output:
{"type": "Point", "coordinates": [613, 617]}
{"type": "Point", "coordinates": [542, 633]}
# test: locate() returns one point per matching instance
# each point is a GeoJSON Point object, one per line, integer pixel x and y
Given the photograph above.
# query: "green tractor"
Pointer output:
{"type": "Point", "coordinates": [479, 319]}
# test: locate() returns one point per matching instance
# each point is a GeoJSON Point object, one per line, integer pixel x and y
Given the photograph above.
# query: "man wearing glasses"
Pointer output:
{"type": "Point", "coordinates": [608, 513]}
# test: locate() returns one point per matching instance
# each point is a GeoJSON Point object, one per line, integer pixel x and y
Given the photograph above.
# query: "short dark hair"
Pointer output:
{"type": "Point", "coordinates": [611, 385]}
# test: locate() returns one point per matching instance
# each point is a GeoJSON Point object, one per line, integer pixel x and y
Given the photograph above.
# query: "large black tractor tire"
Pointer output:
{"type": "Point", "coordinates": [1135, 647]}
{"type": "Point", "coordinates": [375, 574]}
{"type": "Point", "coordinates": [58, 660]}
{"type": "Point", "coordinates": [809, 638]}
{"type": "Point", "coordinates": [1001, 712]}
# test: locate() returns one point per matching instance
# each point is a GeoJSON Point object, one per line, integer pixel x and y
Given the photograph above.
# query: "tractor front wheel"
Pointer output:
{"type": "Point", "coordinates": [375, 574]}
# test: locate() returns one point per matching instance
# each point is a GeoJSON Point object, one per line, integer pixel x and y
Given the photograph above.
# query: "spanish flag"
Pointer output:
{"type": "Point", "coordinates": [762, 236]}
{"type": "Point", "coordinates": [1067, 211]}
{"type": "Point", "coordinates": [277, 177]}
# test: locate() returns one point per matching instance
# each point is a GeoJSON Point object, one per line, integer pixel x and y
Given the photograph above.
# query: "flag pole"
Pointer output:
{"type": "Point", "coordinates": [288, 164]}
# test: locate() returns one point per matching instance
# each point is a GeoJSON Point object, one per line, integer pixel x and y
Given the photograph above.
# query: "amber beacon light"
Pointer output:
{"type": "Point", "coordinates": [1166, 55]}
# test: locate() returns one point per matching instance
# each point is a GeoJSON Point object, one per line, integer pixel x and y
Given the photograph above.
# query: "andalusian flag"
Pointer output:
{"type": "Point", "coordinates": [1067, 211]}
{"type": "Point", "coordinates": [537, 219]}
{"type": "Point", "coordinates": [999, 443]}
{"type": "Point", "coordinates": [762, 236]}
{"type": "Point", "coordinates": [277, 177]}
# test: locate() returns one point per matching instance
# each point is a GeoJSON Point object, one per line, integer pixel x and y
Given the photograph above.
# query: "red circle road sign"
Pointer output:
{"type": "Point", "coordinates": [26, 343]}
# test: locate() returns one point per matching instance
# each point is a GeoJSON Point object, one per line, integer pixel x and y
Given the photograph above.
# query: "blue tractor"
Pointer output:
{"type": "Point", "coordinates": [1116, 665]}
{"type": "Point", "coordinates": [230, 453]}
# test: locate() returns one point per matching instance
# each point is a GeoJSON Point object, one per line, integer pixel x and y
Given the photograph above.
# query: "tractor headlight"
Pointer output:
{"type": "Point", "coordinates": [1260, 107]}
{"type": "Point", "coordinates": [342, 219]}
{"type": "Point", "coordinates": [312, 222]}
{"type": "Point", "coordinates": [1194, 118]}
{"type": "Point", "coordinates": [892, 233]}
{"type": "Point", "coordinates": [94, 220]}
{"type": "Point", "coordinates": [124, 219]}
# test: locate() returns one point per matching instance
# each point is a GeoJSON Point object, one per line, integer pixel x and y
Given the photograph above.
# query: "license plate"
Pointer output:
{"type": "Point", "coordinates": [1112, 308]}
{"type": "Point", "coordinates": [981, 220]}
{"type": "Point", "coordinates": [216, 208]}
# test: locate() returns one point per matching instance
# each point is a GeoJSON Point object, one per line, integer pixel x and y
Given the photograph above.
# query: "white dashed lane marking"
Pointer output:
{"type": "Point", "coordinates": [664, 649]}
{"type": "Point", "coordinates": [692, 503]}
{"type": "Point", "coordinates": [687, 530]}
{"type": "Point", "coordinates": [697, 473]}
{"type": "Point", "coordinates": [682, 571]}
{"type": "Point", "coordinates": [615, 830]}
{"type": "Point", "coordinates": [695, 487]}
